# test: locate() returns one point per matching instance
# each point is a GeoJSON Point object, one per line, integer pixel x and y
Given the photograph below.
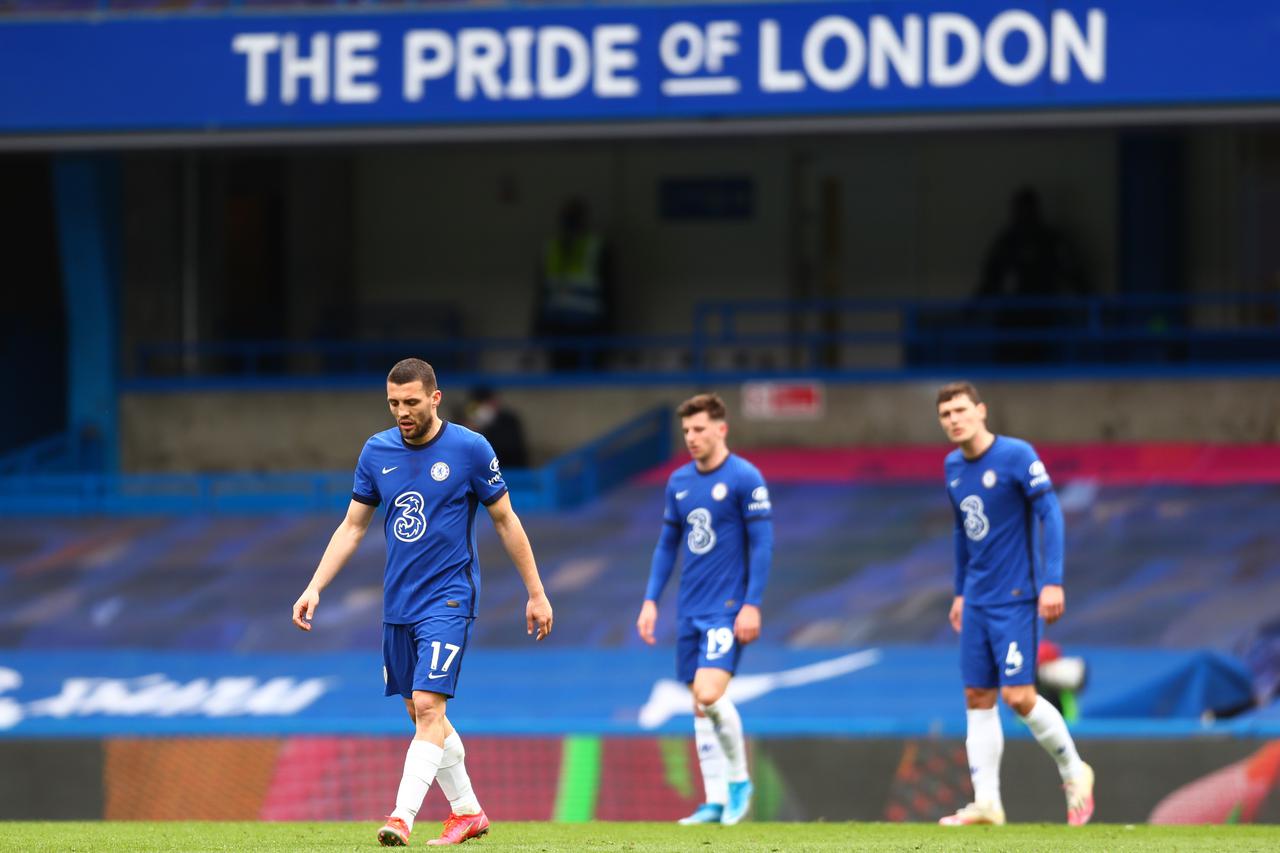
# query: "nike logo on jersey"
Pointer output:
{"type": "Point", "coordinates": [682, 495]}
{"type": "Point", "coordinates": [955, 482]}
{"type": "Point", "coordinates": [434, 676]}
{"type": "Point", "coordinates": [389, 470]}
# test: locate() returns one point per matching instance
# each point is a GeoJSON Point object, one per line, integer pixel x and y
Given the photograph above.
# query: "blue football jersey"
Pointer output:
{"type": "Point", "coordinates": [712, 510]}
{"type": "Point", "coordinates": [992, 498]}
{"type": "Point", "coordinates": [431, 491]}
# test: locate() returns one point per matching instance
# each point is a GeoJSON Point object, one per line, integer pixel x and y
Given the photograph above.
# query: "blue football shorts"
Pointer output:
{"type": "Point", "coordinates": [706, 641]}
{"type": "Point", "coordinates": [425, 656]}
{"type": "Point", "coordinates": [998, 644]}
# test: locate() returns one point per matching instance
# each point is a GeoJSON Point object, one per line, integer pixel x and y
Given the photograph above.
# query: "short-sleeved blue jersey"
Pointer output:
{"type": "Point", "coordinates": [1000, 553]}
{"type": "Point", "coordinates": [431, 491]}
{"type": "Point", "coordinates": [712, 510]}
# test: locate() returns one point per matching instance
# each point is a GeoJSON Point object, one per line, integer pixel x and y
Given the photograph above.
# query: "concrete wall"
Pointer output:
{"type": "Point", "coordinates": [375, 238]}
{"type": "Point", "coordinates": [324, 430]}
{"type": "Point", "coordinates": [916, 214]}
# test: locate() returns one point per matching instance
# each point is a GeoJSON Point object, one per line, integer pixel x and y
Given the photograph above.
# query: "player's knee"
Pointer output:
{"type": "Point", "coordinates": [1021, 698]}
{"type": "Point", "coordinates": [979, 698]}
{"type": "Point", "coordinates": [707, 694]}
{"type": "Point", "coordinates": [427, 709]}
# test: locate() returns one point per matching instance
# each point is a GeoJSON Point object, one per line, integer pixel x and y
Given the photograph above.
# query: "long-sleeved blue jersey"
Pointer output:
{"type": "Point", "coordinates": [1001, 501]}
{"type": "Point", "coordinates": [720, 520]}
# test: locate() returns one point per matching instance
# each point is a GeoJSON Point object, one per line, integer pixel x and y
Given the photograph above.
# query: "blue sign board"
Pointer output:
{"type": "Point", "coordinates": [891, 691]}
{"type": "Point", "coordinates": [519, 64]}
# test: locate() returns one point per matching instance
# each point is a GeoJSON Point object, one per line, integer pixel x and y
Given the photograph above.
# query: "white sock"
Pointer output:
{"type": "Point", "coordinates": [985, 745]}
{"type": "Point", "coordinates": [723, 715]}
{"type": "Point", "coordinates": [453, 779]}
{"type": "Point", "coordinates": [420, 765]}
{"type": "Point", "coordinates": [715, 779]}
{"type": "Point", "coordinates": [1051, 731]}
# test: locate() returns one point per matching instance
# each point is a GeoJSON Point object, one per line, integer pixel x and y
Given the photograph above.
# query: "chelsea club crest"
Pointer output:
{"type": "Point", "coordinates": [440, 472]}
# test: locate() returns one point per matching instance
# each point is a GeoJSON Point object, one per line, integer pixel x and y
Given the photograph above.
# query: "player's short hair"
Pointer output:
{"type": "Point", "coordinates": [955, 389]}
{"type": "Point", "coordinates": [413, 370]}
{"type": "Point", "coordinates": [709, 403]}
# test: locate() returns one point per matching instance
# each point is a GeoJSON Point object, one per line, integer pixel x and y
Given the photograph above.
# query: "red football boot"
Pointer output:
{"type": "Point", "coordinates": [459, 827]}
{"type": "Point", "coordinates": [394, 833]}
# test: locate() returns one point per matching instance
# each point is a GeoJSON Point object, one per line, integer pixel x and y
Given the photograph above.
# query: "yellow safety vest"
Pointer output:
{"type": "Point", "coordinates": [572, 277]}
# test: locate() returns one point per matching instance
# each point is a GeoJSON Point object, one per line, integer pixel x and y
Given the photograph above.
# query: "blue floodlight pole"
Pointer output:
{"type": "Point", "coordinates": [87, 198]}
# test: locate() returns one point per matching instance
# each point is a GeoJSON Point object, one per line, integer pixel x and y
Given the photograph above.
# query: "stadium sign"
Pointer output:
{"type": "Point", "coordinates": [643, 63]}
{"type": "Point", "coordinates": [156, 695]}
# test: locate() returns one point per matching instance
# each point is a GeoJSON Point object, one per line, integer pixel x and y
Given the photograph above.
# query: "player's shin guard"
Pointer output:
{"type": "Point", "coordinates": [420, 766]}
{"type": "Point", "coordinates": [453, 779]}
{"type": "Point", "coordinates": [1050, 731]}
{"type": "Point", "coordinates": [984, 743]}
{"type": "Point", "coordinates": [723, 715]}
{"type": "Point", "coordinates": [715, 778]}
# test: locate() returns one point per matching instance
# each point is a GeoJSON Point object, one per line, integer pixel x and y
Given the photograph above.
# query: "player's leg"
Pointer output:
{"type": "Point", "coordinates": [401, 659]}
{"type": "Point", "coordinates": [718, 660]}
{"type": "Point", "coordinates": [984, 737]}
{"type": "Point", "coordinates": [419, 662]}
{"type": "Point", "coordinates": [1020, 642]}
{"type": "Point", "coordinates": [452, 775]}
{"type": "Point", "coordinates": [445, 641]}
{"type": "Point", "coordinates": [711, 760]}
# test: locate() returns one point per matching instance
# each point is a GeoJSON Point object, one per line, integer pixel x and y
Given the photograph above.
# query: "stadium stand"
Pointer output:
{"type": "Point", "coordinates": [182, 582]}
{"type": "Point", "coordinates": [253, 242]}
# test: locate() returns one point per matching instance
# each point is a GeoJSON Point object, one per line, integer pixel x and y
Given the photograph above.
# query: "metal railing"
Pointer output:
{"type": "Point", "coordinates": [27, 487]}
{"type": "Point", "coordinates": [817, 337]}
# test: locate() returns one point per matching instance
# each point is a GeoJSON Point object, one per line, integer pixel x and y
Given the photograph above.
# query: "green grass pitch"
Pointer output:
{"type": "Point", "coordinates": [109, 837]}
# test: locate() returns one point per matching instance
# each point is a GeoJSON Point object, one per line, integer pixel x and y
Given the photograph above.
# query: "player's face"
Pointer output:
{"type": "Point", "coordinates": [961, 418]}
{"type": "Point", "coordinates": [413, 409]}
{"type": "Point", "coordinates": [703, 436]}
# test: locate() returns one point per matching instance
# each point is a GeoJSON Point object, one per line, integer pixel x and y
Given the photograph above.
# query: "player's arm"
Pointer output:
{"type": "Point", "coordinates": [1052, 597]}
{"type": "Point", "coordinates": [660, 568]}
{"type": "Point", "coordinates": [341, 546]}
{"type": "Point", "coordinates": [961, 543]}
{"type": "Point", "coordinates": [759, 558]}
{"type": "Point", "coordinates": [537, 612]}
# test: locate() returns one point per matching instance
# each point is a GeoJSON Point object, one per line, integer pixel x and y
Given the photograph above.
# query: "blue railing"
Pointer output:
{"type": "Point", "coordinates": [830, 338]}
{"type": "Point", "coordinates": [565, 482]}
{"type": "Point", "coordinates": [59, 453]}
{"type": "Point", "coordinates": [584, 473]}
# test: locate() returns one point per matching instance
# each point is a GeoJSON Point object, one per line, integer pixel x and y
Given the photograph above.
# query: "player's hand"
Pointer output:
{"type": "Point", "coordinates": [957, 613]}
{"type": "Point", "coordinates": [647, 621]}
{"type": "Point", "coordinates": [537, 615]}
{"type": "Point", "coordinates": [1052, 603]}
{"type": "Point", "coordinates": [746, 627]}
{"type": "Point", "coordinates": [304, 608]}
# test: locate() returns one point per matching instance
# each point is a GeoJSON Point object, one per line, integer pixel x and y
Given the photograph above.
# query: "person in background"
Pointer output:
{"type": "Point", "coordinates": [718, 516]}
{"type": "Point", "coordinates": [575, 286]}
{"type": "Point", "coordinates": [489, 416]}
{"type": "Point", "coordinates": [1008, 576]}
